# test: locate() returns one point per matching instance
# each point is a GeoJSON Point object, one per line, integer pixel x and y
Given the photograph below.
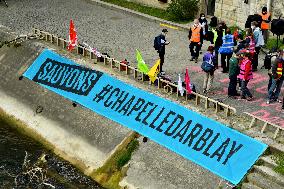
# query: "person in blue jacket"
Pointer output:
{"type": "Point", "coordinates": [226, 50]}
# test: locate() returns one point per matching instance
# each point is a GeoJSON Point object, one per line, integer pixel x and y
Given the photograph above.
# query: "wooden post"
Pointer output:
{"type": "Point", "coordinates": [57, 41]}
{"type": "Point", "coordinates": [217, 107]}
{"type": "Point", "coordinates": [263, 128]}
{"type": "Point", "coordinates": [252, 122]}
{"type": "Point", "coordinates": [227, 111]}
{"type": "Point", "coordinates": [276, 132]}
{"type": "Point", "coordinates": [51, 38]}
{"type": "Point", "coordinates": [206, 103]}
{"type": "Point", "coordinates": [197, 100]}
{"type": "Point", "coordinates": [135, 74]}
{"type": "Point", "coordinates": [84, 52]}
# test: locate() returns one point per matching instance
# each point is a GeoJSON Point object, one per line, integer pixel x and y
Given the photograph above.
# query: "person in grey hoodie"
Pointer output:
{"type": "Point", "coordinates": [258, 37]}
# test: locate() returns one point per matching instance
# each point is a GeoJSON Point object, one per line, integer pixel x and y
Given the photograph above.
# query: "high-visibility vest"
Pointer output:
{"type": "Point", "coordinates": [251, 44]}
{"type": "Point", "coordinates": [216, 34]}
{"type": "Point", "coordinates": [243, 69]}
{"type": "Point", "coordinates": [264, 25]}
{"type": "Point", "coordinates": [195, 35]}
{"type": "Point", "coordinates": [279, 69]}
{"type": "Point", "coordinates": [228, 44]}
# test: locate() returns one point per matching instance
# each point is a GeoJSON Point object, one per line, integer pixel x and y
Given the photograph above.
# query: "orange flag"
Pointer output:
{"type": "Point", "coordinates": [72, 36]}
{"type": "Point", "coordinates": [187, 82]}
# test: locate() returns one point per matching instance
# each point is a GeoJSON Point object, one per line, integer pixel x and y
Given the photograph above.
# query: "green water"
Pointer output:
{"type": "Point", "coordinates": [53, 172]}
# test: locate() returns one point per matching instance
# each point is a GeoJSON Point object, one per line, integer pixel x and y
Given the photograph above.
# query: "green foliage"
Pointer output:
{"type": "Point", "coordinates": [180, 10]}
{"type": "Point", "coordinates": [279, 159]}
{"type": "Point", "coordinates": [272, 43]}
{"type": "Point", "coordinates": [125, 157]}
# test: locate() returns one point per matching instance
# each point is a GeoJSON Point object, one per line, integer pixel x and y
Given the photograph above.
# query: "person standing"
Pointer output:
{"type": "Point", "coordinates": [159, 44]}
{"type": "Point", "coordinates": [204, 24]}
{"type": "Point", "coordinates": [209, 58]}
{"type": "Point", "coordinates": [226, 50]}
{"type": "Point", "coordinates": [218, 39]}
{"type": "Point", "coordinates": [245, 76]}
{"type": "Point", "coordinates": [266, 18]}
{"type": "Point", "coordinates": [234, 71]}
{"type": "Point", "coordinates": [277, 80]}
{"type": "Point", "coordinates": [195, 36]}
{"type": "Point", "coordinates": [258, 38]}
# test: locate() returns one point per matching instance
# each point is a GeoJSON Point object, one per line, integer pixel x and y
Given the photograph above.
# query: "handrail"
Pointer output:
{"type": "Point", "coordinates": [266, 123]}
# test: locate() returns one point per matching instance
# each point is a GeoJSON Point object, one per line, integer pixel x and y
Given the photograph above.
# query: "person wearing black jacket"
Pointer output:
{"type": "Point", "coordinates": [162, 49]}
{"type": "Point", "coordinates": [220, 30]}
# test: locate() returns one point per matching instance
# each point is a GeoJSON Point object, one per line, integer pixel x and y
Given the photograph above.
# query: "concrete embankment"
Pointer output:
{"type": "Point", "coordinates": [77, 134]}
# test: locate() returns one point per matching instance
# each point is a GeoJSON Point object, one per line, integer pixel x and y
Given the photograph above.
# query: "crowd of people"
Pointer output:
{"type": "Point", "coordinates": [239, 55]}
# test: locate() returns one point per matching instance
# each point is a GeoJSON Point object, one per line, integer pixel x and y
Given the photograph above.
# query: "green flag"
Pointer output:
{"type": "Point", "coordinates": [141, 64]}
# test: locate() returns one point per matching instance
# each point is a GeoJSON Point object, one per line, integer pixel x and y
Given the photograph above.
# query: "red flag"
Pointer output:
{"type": "Point", "coordinates": [187, 82]}
{"type": "Point", "coordinates": [72, 36]}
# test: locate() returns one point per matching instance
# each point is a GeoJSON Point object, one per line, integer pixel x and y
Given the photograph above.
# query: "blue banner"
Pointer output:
{"type": "Point", "coordinates": [210, 144]}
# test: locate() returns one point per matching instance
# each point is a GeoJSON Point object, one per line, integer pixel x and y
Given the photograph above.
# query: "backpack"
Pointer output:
{"type": "Point", "coordinates": [267, 62]}
{"type": "Point", "coordinates": [207, 66]}
{"type": "Point", "coordinates": [157, 43]}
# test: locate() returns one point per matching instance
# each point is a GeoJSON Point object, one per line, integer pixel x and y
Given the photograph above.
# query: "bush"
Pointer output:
{"type": "Point", "coordinates": [279, 159]}
{"type": "Point", "coordinates": [182, 9]}
{"type": "Point", "coordinates": [272, 43]}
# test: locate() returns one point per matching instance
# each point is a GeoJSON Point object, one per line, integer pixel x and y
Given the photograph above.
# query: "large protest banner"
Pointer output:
{"type": "Point", "coordinates": [222, 150]}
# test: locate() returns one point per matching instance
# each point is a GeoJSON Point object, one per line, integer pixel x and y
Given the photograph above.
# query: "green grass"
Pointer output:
{"type": "Point", "coordinates": [156, 12]}
{"type": "Point", "coordinates": [272, 42]}
{"type": "Point", "coordinates": [110, 174]}
{"type": "Point", "coordinates": [279, 159]}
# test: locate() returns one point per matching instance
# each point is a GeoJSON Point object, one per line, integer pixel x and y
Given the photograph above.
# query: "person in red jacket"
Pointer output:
{"type": "Point", "coordinates": [245, 76]}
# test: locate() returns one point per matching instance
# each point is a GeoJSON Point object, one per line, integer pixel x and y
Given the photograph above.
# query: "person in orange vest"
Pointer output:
{"type": "Point", "coordinates": [277, 80]}
{"type": "Point", "coordinates": [195, 36]}
{"type": "Point", "coordinates": [245, 76]}
{"type": "Point", "coordinates": [266, 18]}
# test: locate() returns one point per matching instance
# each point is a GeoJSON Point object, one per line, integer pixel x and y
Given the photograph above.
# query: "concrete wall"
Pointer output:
{"type": "Point", "coordinates": [236, 11]}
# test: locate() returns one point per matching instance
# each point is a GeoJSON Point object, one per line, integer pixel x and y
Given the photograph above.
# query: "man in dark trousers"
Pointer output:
{"type": "Point", "coordinates": [162, 50]}
{"type": "Point", "coordinates": [195, 36]}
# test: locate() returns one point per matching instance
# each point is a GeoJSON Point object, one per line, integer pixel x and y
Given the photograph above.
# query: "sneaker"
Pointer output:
{"type": "Point", "coordinates": [280, 101]}
{"type": "Point", "coordinates": [192, 58]}
{"type": "Point", "coordinates": [204, 91]}
{"type": "Point", "coordinates": [268, 102]}
{"type": "Point", "coordinates": [249, 98]}
{"type": "Point", "coordinates": [240, 88]}
{"type": "Point", "coordinates": [195, 60]}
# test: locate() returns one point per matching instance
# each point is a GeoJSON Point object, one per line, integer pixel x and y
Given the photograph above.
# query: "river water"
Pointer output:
{"type": "Point", "coordinates": [41, 170]}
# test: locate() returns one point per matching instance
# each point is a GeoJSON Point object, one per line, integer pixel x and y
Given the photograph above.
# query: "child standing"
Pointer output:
{"type": "Point", "coordinates": [245, 76]}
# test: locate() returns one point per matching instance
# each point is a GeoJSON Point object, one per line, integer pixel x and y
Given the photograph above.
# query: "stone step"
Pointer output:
{"type": "Point", "coordinates": [262, 182]}
{"type": "Point", "coordinates": [268, 161]}
{"type": "Point", "coordinates": [248, 185]}
{"type": "Point", "coordinates": [270, 174]}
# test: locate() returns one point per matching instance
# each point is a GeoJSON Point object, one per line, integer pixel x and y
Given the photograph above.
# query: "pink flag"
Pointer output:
{"type": "Point", "coordinates": [72, 36]}
{"type": "Point", "coordinates": [187, 82]}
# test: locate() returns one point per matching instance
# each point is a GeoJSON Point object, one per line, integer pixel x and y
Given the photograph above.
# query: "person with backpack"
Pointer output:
{"type": "Point", "coordinates": [234, 71]}
{"type": "Point", "coordinates": [159, 44]}
{"type": "Point", "coordinates": [277, 80]}
{"type": "Point", "coordinates": [245, 76]}
{"type": "Point", "coordinates": [208, 66]}
{"type": "Point", "coordinates": [257, 35]}
{"type": "Point", "coordinates": [195, 36]}
{"type": "Point", "coordinates": [226, 50]}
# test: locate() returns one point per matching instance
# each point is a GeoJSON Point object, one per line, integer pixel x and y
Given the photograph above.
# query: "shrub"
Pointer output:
{"type": "Point", "coordinates": [182, 9]}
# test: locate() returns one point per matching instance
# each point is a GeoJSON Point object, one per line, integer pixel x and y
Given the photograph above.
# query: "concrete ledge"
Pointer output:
{"type": "Point", "coordinates": [249, 186]}
{"type": "Point", "coordinates": [270, 174]}
{"type": "Point", "coordinates": [262, 182]}
{"type": "Point", "coordinates": [141, 15]}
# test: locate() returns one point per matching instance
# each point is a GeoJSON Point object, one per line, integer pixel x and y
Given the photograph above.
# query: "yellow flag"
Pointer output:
{"type": "Point", "coordinates": [154, 71]}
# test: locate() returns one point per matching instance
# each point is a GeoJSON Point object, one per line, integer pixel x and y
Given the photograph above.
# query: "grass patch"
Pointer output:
{"type": "Point", "coordinates": [111, 173]}
{"type": "Point", "coordinates": [279, 159]}
{"type": "Point", "coordinates": [272, 42]}
{"type": "Point", "coordinates": [156, 12]}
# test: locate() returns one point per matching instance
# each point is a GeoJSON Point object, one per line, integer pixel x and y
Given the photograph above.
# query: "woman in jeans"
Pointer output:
{"type": "Point", "coordinates": [245, 76]}
{"type": "Point", "coordinates": [209, 76]}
